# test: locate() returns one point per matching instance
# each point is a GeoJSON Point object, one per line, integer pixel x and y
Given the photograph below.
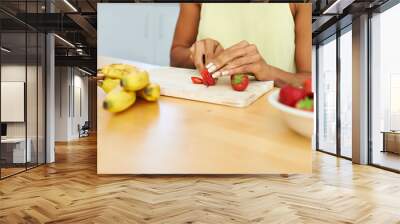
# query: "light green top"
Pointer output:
{"type": "Point", "coordinates": [269, 26]}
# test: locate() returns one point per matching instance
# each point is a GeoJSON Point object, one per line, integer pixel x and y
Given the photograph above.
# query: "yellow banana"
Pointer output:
{"type": "Point", "coordinates": [135, 81]}
{"type": "Point", "coordinates": [117, 71]}
{"type": "Point", "coordinates": [150, 92]}
{"type": "Point", "coordinates": [125, 67]}
{"type": "Point", "coordinates": [109, 84]}
{"type": "Point", "coordinates": [119, 100]}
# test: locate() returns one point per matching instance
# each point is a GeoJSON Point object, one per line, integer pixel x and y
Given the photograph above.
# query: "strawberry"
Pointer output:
{"type": "Point", "coordinates": [305, 104]}
{"type": "Point", "coordinates": [196, 80]}
{"type": "Point", "coordinates": [290, 95]}
{"type": "Point", "coordinates": [208, 80]}
{"type": "Point", "coordinates": [239, 82]}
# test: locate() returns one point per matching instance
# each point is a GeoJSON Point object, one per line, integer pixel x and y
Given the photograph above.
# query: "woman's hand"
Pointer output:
{"type": "Point", "coordinates": [245, 58]}
{"type": "Point", "coordinates": [240, 58]}
{"type": "Point", "coordinates": [203, 51]}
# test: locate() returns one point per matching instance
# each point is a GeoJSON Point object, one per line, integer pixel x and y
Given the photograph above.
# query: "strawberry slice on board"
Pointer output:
{"type": "Point", "coordinates": [197, 80]}
{"type": "Point", "coordinates": [208, 80]}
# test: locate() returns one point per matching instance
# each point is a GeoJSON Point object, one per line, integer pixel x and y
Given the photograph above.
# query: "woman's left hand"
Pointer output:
{"type": "Point", "coordinates": [240, 58]}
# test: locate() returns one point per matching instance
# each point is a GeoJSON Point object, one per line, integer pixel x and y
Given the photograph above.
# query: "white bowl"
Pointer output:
{"type": "Point", "coordinates": [300, 121]}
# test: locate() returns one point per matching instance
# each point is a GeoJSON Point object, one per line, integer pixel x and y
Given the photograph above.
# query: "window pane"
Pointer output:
{"type": "Point", "coordinates": [314, 73]}
{"type": "Point", "coordinates": [14, 153]}
{"type": "Point", "coordinates": [327, 97]}
{"type": "Point", "coordinates": [31, 98]}
{"type": "Point", "coordinates": [41, 98]}
{"type": "Point", "coordinates": [386, 89]}
{"type": "Point", "coordinates": [346, 93]}
{"type": "Point", "coordinates": [32, 88]}
{"type": "Point", "coordinates": [23, 89]}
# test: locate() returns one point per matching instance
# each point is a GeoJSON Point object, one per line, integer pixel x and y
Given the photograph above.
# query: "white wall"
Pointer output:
{"type": "Point", "coordinates": [140, 32]}
{"type": "Point", "coordinates": [82, 82]}
{"type": "Point", "coordinates": [80, 110]}
{"type": "Point", "coordinates": [71, 91]}
{"type": "Point", "coordinates": [62, 81]}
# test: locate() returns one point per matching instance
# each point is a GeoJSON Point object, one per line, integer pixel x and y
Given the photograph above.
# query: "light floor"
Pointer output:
{"type": "Point", "coordinates": [387, 159]}
{"type": "Point", "coordinates": [70, 191]}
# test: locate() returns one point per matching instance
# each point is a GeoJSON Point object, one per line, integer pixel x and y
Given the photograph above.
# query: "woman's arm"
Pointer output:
{"type": "Point", "coordinates": [186, 52]}
{"type": "Point", "coordinates": [185, 35]}
{"type": "Point", "coordinates": [303, 50]}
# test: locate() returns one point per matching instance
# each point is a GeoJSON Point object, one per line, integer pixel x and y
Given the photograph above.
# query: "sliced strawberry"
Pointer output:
{"type": "Point", "coordinates": [208, 80]}
{"type": "Point", "coordinates": [196, 80]}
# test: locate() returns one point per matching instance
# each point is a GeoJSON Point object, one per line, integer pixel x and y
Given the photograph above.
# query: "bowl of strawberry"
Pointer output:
{"type": "Point", "coordinates": [297, 107]}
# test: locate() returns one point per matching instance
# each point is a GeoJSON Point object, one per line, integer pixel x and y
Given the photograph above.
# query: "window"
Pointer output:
{"type": "Point", "coordinates": [22, 66]}
{"type": "Point", "coordinates": [385, 89]}
{"type": "Point", "coordinates": [327, 96]}
{"type": "Point", "coordinates": [346, 93]}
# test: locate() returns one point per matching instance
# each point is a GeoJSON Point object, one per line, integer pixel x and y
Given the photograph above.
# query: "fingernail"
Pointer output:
{"type": "Point", "coordinates": [212, 69]}
{"type": "Point", "coordinates": [216, 75]}
{"type": "Point", "coordinates": [209, 65]}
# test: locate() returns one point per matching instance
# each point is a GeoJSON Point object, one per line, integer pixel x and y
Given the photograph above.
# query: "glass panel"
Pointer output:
{"type": "Point", "coordinates": [313, 77]}
{"type": "Point", "coordinates": [41, 89]}
{"type": "Point", "coordinates": [346, 93]}
{"type": "Point", "coordinates": [13, 80]}
{"type": "Point", "coordinates": [23, 89]}
{"type": "Point", "coordinates": [41, 98]}
{"type": "Point", "coordinates": [31, 100]}
{"type": "Point", "coordinates": [327, 97]}
{"type": "Point", "coordinates": [386, 89]}
{"type": "Point", "coordinates": [32, 89]}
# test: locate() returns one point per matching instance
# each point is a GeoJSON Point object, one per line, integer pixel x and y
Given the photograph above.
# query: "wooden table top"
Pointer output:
{"type": "Point", "coordinates": [177, 136]}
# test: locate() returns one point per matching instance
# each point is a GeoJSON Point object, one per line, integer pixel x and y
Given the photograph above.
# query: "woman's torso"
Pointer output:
{"type": "Point", "coordinates": [269, 26]}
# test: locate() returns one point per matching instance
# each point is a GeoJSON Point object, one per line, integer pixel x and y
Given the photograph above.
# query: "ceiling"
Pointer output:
{"type": "Point", "coordinates": [72, 20]}
{"type": "Point", "coordinates": [332, 15]}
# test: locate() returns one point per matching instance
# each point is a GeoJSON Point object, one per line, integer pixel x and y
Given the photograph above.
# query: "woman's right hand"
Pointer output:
{"type": "Point", "coordinates": [203, 51]}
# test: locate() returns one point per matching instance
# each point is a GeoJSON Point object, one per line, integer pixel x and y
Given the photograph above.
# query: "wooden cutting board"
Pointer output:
{"type": "Point", "coordinates": [176, 82]}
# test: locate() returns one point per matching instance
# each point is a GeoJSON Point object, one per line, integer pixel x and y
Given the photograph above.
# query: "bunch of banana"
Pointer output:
{"type": "Point", "coordinates": [109, 84]}
{"type": "Point", "coordinates": [122, 83]}
{"type": "Point", "coordinates": [117, 71]}
{"type": "Point", "coordinates": [118, 100]}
